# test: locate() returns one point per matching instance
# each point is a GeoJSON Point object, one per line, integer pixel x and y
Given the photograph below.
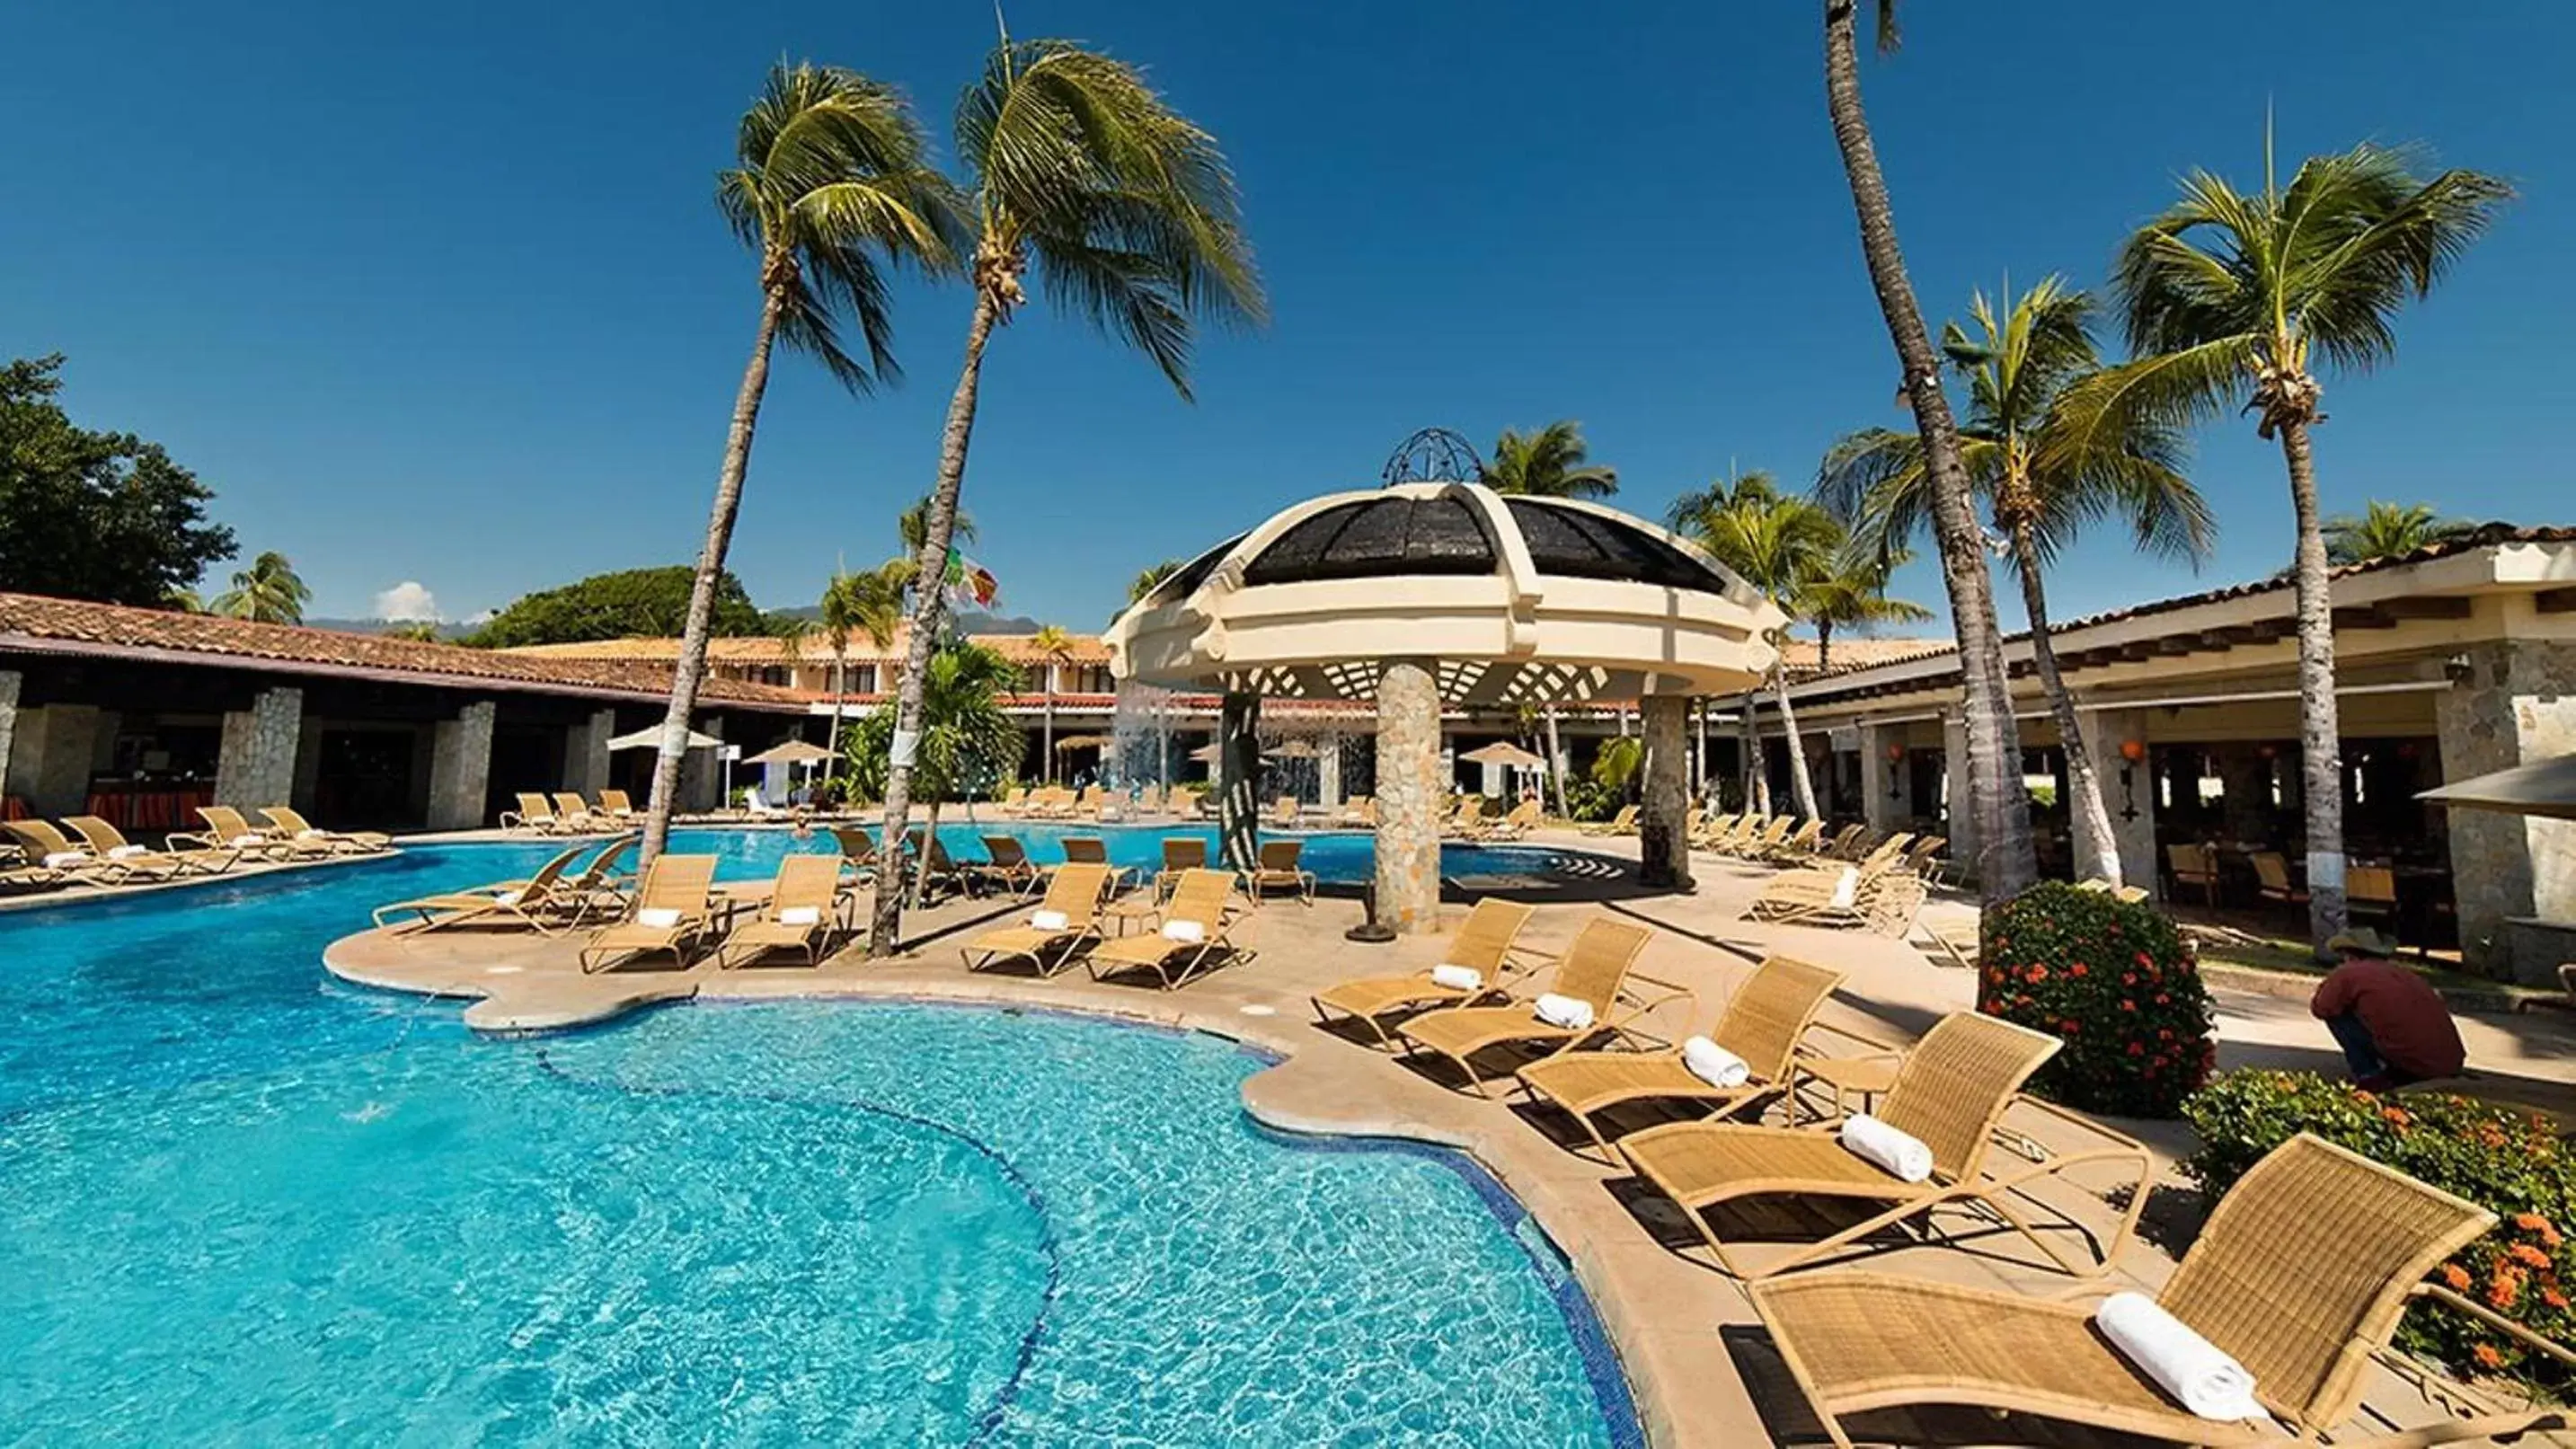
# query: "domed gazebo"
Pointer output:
{"type": "Point", "coordinates": [1434, 592]}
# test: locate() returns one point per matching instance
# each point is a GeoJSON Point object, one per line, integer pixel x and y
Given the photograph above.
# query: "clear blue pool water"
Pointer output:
{"type": "Point", "coordinates": [240, 1204]}
{"type": "Point", "coordinates": [1337, 857]}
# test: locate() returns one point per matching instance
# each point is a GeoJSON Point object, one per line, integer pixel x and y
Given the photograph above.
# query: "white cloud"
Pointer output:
{"type": "Point", "coordinates": [408, 601]}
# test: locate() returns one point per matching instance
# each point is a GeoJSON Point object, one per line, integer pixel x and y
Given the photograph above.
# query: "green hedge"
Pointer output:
{"type": "Point", "coordinates": [2510, 1163]}
{"type": "Point", "coordinates": [2111, 980]}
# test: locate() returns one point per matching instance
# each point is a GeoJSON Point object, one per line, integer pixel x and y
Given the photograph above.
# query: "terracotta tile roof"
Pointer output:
{"type": "Point", "coordinates": [755, 649]}
{"type": "Point", "coordinates": [45, 625]}
{"type": "Point", "coordinates": [1799, 655]}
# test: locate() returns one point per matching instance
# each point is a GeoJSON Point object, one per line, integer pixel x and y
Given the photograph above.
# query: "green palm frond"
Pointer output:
{"type": "Point", "coordinates": [1127, 206]}
{"type": "Point", "coordinates": [268, 592]}
{"type": "Point", "coordinates": [1150, 578]}
{"type": "Point", "coordinates": [831, 188]}
{"type": "Point", "coordinates": [2387, 530]}
{"type": "Point", "coordinates": [1553, 462]}
{"type": "Point", "coordinates": [1777, 542]}
{"type": "Point", "coordinates": [968, 739]}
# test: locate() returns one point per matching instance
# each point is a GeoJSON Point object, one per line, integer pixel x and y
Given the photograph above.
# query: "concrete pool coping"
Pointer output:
{"type": "Point", "coordinates": [1679, 1328]}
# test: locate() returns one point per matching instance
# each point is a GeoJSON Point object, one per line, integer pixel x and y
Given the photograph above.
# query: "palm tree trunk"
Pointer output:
{"type": "Point", "coordinates": [886, 920]}
{"type": "Point", "coordinates": [2005, 863]}
{"type": "Point", "coordinates": [920, 885]}
{"type": "Point", "coordinates": [692, 664]}
{"type": "Point", "coordinates": [1046, 766]}
{"type": "Point", "coordinates": [2320, 749]}
{"type": "Point", "coordinates": [1556, 765]}
{"type": "Point", "coordinates": [1802, 787]}
{"type": "Point", "coordinates": [1757, 771]}
{"type": "Point", "coordinates": [2097, 850]}
{"type": "Point", "coordinates": [840, 682]}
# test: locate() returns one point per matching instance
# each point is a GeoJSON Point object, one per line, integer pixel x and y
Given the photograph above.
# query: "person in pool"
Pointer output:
{"type": "Point", "coordinates": [2390, 1022]}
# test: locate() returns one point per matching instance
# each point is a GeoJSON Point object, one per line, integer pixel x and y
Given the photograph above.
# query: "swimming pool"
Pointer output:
{"type": "Point", "coordinates": [244, 1204]}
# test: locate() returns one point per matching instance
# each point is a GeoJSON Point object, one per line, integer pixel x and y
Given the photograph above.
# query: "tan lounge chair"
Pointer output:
{"type": "Point", "coordinates": [1799, 846]}
{"type": "Point", "coordinates": [1357, 810]}
{"type": "Point", "coordinates": [858, 851]}
{"type": "Point", "coordinates": [545, 903]}
{"type": "Point", "coordinates": [1284, 812]}
{"type": "Point", "coordinates": [1074, 892]}
{"type": "Point", "coordinates": [1762, 1024]}
{"type": "Point", "coordinates": [1761, 842]}
{"type": "Point", "coordinates": [1200, 899]}
{"type": "Point", "coordinates": [1470, 819]}
{"type": "Point", "coordinates": [111, 846]}
{"type": "Point", "coordinates": [2301, 1275]}
{"type": "Point", "coordinates": [1523, 819]}
{"type": "Point", "coordinates": [535, 813]}
{"type": "Point", "coordinates": [1594, 971]}
{"type": "Point", "coordinates": [1483, 944]}
{"type": "Point", "coordinates": [1006, 865]}
{"type": "Point", "coordinates": [1276, 869]}
{"type": "Point", "coordinates": [52, 851]}
{"type": "Point", "coordinates": [803, 909]}
{"type": "Point", "coordinates": [1092, 850]}
{"type": "Point", "coordinates": [227, 829]}
{"type": "Point", "coordinates": [1623, 823]}
{"type": "Point", "coordinates": [683, 886]}
{"type": "Point", "coordinates": [574, 813]}
{"type": "Point", "coordinates": [617, 807]}
{"type": "Point", "coordinates": [294, 827]}
{"type": "Point", "coordinates": [1950, 1092]}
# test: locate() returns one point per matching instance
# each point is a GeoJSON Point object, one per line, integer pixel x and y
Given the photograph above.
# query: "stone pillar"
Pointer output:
{"type": "Point", "coordinates": [586, 767]}
{"type": "Point", "coordinates": [11, 682]}
{"type": "Point", "coordinates": [702, 772]}
{"type": "Point", "coordinates": [1238, 765]}
{"type": "Point", "coordinates": [1882, 781]}
{"type": "Point", "coordinates": [50, 753]}
{"type": "Point", "coordinates": [1663, 818]}
{"type": "Point", "coordinates": [1328, 774]}
{"type": "Point", "coordinates": [460, 768]}
{"type": "Point", "coordinates": [1410, 791]}
{"type": "Point", "coordinates": [1962, 824]}
{"type": "Point", "coordinates": [308, 766]}
{"type": "Point", "coordinates": [255, 765]}
{"type": "Point", "coordinates": [2516, 706]}
{"type": "Point", "coordinates": [2128, 793]}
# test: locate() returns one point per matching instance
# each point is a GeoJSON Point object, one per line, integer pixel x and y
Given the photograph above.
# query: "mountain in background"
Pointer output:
{"type": "Point", "coordinates": [448, 633]}
{"type": "Point", "coordinates": [970, 621]}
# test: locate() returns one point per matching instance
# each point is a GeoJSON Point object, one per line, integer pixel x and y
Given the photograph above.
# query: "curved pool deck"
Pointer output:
{"type": "Point", "coordinates": [1679, 1328]}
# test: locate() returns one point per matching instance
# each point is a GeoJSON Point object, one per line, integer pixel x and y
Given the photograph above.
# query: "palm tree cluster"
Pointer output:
{"type": "Point", "coordinates": [2229, 300]}
{"type": "Point", "coordinates": [268, 592]}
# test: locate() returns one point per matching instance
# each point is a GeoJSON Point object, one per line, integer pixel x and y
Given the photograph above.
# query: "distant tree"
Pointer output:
{"type": "Point", "coordinates": [1851, 593]}
{"type": "Point", "coordinates": [1150, 578]}
{"type": "Point", "coordinates": [868, 603]}
{"type": "Point", "coordinates": [83, 515]}
{"type": "Point", "coordinates": [1550, 463]}
{"type": "Point", "coordinates": [1055, 650]}
{"type": "Point", "coordinates": [418, 631]}
{"type": "Point", "coordinates": [968, 741]}
{"type": "Point", "coordinates": [267, 592]}
{"type": "Point", "coordinates": [2388, 530]}
{"type": "Point", "coordinates": [631, 604]}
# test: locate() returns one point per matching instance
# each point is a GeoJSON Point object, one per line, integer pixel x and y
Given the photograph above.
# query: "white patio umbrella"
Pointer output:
{"type": "Point", "coordinates": [650, 739]}
{"type": "Point", "coordinates": [2543, 787]}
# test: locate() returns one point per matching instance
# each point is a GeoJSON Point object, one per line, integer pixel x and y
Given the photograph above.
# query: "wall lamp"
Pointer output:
{"type": "Point", "coordinates": [2132, 754]}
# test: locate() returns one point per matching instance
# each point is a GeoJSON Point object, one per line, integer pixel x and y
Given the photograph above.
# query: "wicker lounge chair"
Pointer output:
{"type": "Point", "coordinates": [1483, 945]}
{"type": "Point", "coordinates": [1092, 850]}
{"type": "Point", "coordinates": [1199, 901]}
{"type": "Point", "coordinates": [1951, 1092]}
{"type": "Point", "coordinates": [858, 851]}
{"type": "Point", "coordinates": [1276, 869]}
{"type": "Point", "coordinates": [574, 813]}
{"type": "Point", "coordinates": [226, 829]}
{"type": "Point", "coordinates": [535, 813]}
{"type": "Point", "coordinates": [1006, 865]}
{"type": "Point", "coordinates": [1073, 892]}
{"type": "Point", "coordinates": [291, 825]}
{"type": "Point", "coordinates": [1284, 812]}
{"type": "Point", "coordinates": [1357, 810]}
{"type": "Point", "coordinates": [1594, 970]}
{"type": "Point", "coordinates": [683, 886]}
{"type": "Point", "coordinates": [545, 903]}
{"type": "Point", "coordinates": [1623, 823]}
{"type": "Point", "coordinates": [1180, 853]}
{"type": "Point", "coordinates": [617, 807]}
{"type": "Point", "coordinates": [1523, 819]}
{"type": "Point", "coordinates": [1800, 845]}
{"type": "Point", "coordinates": [1755, 845]}
{"type": "Point", "coordinates": [111, 846]}
{"type": "Point", "coordinates": [2300, 1275]}
{"type": "Point", "coordinates": [803, 908]}
{"type": "Point", "coordinates": [54, 852]}
{"type": "Point", "coordinates": [1762, 1024]}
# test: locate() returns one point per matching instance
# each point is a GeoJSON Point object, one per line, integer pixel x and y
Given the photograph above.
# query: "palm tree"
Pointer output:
{"type": "Point", "coordinates": [1128, 212]}
{"type": "Point", "coordinates": [2021, 357]}
{"type": "Point", "coordinates": [414, 631]}
{"type": "Point", "coordinates": [968, 740]}
{"type": "Point", "coordinates": [268, 592]}
{"type": "Point", "coordinates": [2388, 530]}
{"type": "Point", "coordinates": [869, 603]}
{"type": "Point", "coordinates": [1054, 649]}
{"type": "Point", "coordinates": [1782, 545]}
{"type": "Point", "coordinates": [2229, 298]}
{"type": "Point", "coordinates": [1550, 463]}
{"type": "Point", "coordinates": [1852, 594]}
{"type": "Point", "coordinates": [1150, 578]}
{"type": "Point", "coordinates": [830, 189]}
{"type": "Point", "coordinates": [1996, 800]}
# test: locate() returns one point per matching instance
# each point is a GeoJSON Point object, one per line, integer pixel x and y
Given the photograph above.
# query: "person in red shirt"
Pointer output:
{"type": "Point", "coordinates": [2390, 1022]}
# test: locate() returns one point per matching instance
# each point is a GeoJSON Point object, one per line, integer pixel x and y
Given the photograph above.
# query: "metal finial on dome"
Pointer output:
{"type": "Point", "coordinates": [1434, 455]}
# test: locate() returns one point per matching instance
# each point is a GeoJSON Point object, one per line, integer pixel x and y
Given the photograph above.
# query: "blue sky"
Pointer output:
{"type": "Point", "coordinates": [436, 293]}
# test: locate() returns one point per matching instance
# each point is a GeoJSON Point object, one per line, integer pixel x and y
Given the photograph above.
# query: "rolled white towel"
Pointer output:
{"type": "Point", "coordinates": [801, 916]}
{"type": "Point", "coordinates": [65, 860]}
{"type": "Point", "coordinates": [506, 898]}
{"type": "Point", "coordinates": [1188, 933]}
{"type": "Point", "coordinates": [1847, 889]}
{"type": "Point", "coordinates": [660, 918]}
{"type": "Point", "coordinates": [1457, 978]}
{"type": "Point", "coordinates": [1049, 920]}
{"type": "Point", "coordinates": [1563, 1011]}
{"type": "Point", "coordinates": [127, 852]}
{"type": "Point", "coordinates": [1901, 1153]}
{"type": "Point", "coordinates": [313, 835]}
{"type": "Point", "coordinates": [251, 837]}
{"type": "Point", "coordinates": [2164, 1348]}
{"type": "Point", "coordinates": [1714, 1064]}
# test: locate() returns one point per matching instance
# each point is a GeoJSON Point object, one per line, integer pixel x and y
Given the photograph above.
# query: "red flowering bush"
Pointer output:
{"type": "Point", "coordinates": [2510, 1163]}
{"type": "Point", "coordinates": [2110, 979]}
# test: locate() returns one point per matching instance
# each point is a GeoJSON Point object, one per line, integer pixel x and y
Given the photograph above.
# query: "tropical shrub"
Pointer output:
{"type": "Point", "coordinates": [2510, 1163]}
{"type": "Point", "coordinates": [2111, 980]}
{"type": "Point", "coordinates": [1592, 800]}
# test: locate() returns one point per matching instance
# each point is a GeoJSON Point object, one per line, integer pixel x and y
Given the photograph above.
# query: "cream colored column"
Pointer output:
{"type": "Point", "coordinates": [1409, 792]}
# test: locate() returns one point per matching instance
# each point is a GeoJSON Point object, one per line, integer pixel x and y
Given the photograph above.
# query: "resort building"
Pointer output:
{"type": "Point", "coordinates": [140, 715]}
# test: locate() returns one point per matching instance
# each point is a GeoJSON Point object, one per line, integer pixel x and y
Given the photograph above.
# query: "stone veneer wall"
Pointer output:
{"type": "Point", "coordinates": [1411, 789]}
{"type": "Point", "coordinates": [255, 764]}
{"type": "Point", "coordinates": [1663, 818]}
{"type": "Point", "coordinates": [460, 768]}
{"type": "Point", "coordinates": [2516, 705]}
{"type": "Point", "coordinates": [10, 683]}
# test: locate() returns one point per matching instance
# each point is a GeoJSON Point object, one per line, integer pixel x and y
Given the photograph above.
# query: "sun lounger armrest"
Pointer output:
{"type": "Point", "coordinates": [1879, 1045]}
{"type": "Point", "coordinates": [2024, 1145]}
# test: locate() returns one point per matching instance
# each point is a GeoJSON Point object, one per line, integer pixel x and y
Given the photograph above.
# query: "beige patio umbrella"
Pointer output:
{"type": "Point", "coordinates": [647, 739]}
{"type": "Point", "coordinates": [1206, 754]}
{"type": "Point", "coordinates": [790, 752]}
{"type": "Point", "coordinates": [1504, 752]}
{"type": "Point", "coordinates": [2543, 787]}
{"type": "Point", "coordinates": [1083, 742]}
